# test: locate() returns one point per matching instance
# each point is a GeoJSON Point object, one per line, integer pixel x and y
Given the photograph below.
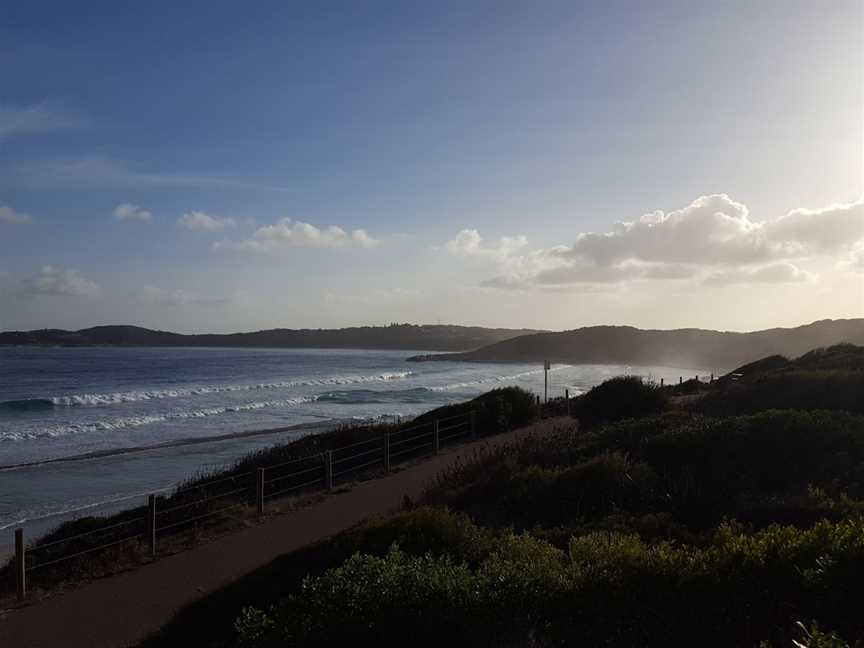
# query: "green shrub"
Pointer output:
{"type": "Point", "coordinates": [619, 398]}
{"type": "Point", "coordinates": [606, 589]}
{"type": "Point", "coordinates": [682, 470]}
{"type": "Point", "coordinates": [793, 389]}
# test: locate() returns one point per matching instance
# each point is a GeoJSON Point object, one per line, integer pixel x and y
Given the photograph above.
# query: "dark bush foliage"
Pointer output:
{"type": "Point", "coordinates": [619, 398]}
{"type": "Point", "coordinates": [798, 389]}
{"type": "Point", "coordinates": [605, 589]}
{"type": "Point", "coordinates": [496, 411]}
{"type": "Point", "coordinates": [689, 470]}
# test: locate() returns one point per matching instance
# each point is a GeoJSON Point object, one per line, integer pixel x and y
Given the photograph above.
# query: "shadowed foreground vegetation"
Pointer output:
{"type": "Point", "coordinates": [669, 527]}
{"type": "Point", "coordinates": [498, 410]}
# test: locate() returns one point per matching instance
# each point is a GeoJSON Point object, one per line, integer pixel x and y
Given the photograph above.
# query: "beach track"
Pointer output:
{"type": "Point", "coordinates": [121, 610]}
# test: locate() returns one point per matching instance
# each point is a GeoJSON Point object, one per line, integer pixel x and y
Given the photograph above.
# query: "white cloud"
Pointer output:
{"type": "Point", "coordinates": [773, 273]}
{"type": "Point", "coordinates": [130, 212]}
{"type": "Point", "coordinates": [814, 231]}
{"type": "Point", "coordinates": [58, 282]}
{"type": "Point", "coordinates": [38, 119]}
{"type": "Point", "coordinates": [289, 233]}
{"type": "Point", "coordinates": [12, 217]}
{"type": "Point", "coordinates": [198, 220]}
{"type": "Point", "coordinates": [713, 238]}
{"type": "Point", "coordinates": [468, 243]}
{"type": "Point", "coordinates": [854, 261]}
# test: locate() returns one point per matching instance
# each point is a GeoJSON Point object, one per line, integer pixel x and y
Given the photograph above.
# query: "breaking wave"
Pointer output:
{"type": "Point", "coordinates": [493, 379]}
{"type": "Point", "coordinates": [89, 400]}
{"type": "Point", "coordinates": [138, 421]}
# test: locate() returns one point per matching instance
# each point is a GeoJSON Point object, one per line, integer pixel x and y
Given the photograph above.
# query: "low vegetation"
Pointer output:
{"type": "Point", "coordinates": [657, 522]}
{"type": "Point", "coordinates": [498, 410]}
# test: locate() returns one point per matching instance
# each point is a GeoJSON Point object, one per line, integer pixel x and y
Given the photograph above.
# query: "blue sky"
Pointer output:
{"type": "Point", "coordinates": [152, 156]}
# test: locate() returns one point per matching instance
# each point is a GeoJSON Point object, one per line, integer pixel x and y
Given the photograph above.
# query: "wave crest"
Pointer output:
{"type": "Point", "coordinates": [91, 400]}
{"type": "Point", "coordinates": [138, 421]}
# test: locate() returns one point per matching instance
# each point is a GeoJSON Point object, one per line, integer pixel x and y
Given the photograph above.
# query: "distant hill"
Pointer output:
{"type": "Point", "coordinates": [697, 348]}
{"type": "Point", "coordinates": [396, 336]}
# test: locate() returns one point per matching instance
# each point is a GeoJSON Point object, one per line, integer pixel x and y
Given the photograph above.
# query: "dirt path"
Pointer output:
{"type": "Point", "coordinates": [121, 610]}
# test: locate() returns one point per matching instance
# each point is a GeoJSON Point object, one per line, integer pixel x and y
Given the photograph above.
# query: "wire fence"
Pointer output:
{"type": "Point", "coordinates": [213, 500]}
{"type": "Point", "coordinates": [193, 505]}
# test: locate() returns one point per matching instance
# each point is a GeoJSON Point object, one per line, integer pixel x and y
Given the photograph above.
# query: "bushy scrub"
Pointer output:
{"type": "Point", "coordinates": [794, 389]}
{"type": "Point", "coordinates": [606, 589]}
{"type": "Point", "coordinates": [684, 470]}
{"type": "Point", "coordinates": [495, 411]}
{"type": "Point", "coordinates": [619, 398]}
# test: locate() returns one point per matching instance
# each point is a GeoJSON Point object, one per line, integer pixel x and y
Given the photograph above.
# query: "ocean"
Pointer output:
{"type": "Point", "coordinates": [60, 403]}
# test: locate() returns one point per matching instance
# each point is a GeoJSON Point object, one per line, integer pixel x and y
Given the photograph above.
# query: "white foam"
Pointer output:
{"type": "Point", "coordinates": [145, 395]}
{"type": "Point", "coordinates": [138, 421]}
{"type": "Point", "coordinates": [493, 379]}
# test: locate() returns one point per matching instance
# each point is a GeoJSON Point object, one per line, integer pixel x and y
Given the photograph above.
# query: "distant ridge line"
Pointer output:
{"type": "Point", "coordinates": [689, 347]}
{"type": "Point", "coordinates": [432, 337]}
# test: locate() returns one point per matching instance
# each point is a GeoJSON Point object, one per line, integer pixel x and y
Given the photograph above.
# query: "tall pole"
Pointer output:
{"type": "Point", "coordinates": [546, 381]}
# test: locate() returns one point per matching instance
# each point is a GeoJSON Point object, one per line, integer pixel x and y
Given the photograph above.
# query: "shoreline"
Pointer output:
{"type": "Point", "coordinates": [175, 443]}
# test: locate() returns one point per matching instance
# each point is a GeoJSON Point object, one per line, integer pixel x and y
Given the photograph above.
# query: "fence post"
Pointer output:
{"type": "Point", "coordinates": [436, 438]}
{"type": "Point", "coordinates": [328, 470]}
{"type": "Point", "coordinates": [151, 525]}
{"type": "Point", "coordinates": [259, 492]}
{"type": "Point", "coordinates": [387, 451]}
{"type": "Point", "coordinates": [20, 568]}
{"type": "Point", "coordinates": [567, 400]}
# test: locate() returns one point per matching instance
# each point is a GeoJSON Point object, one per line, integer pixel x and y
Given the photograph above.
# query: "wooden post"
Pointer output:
{"type": "Point", "coordinates": [387, 451]}
{"type": "Point", "coordinates": [436, 438]}
{"type": "Point", "coordinates": [151, 525]}
{"type": "Point", "coordinates": [20, 568]}
{"type": "Point", "coordinates": [567, 400]}
{"type": "Point", "coordinates": [680, 380]}
{"type": "Point", "coordinates": [259, 492]}
{"type": "Point", "coordinates": [328, 470]}
{"type": "Point", "coordinates": [661, 382]}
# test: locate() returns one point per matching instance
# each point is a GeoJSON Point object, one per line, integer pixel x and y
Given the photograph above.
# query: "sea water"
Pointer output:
{"type": "Point", "coordinates": [58, 403]}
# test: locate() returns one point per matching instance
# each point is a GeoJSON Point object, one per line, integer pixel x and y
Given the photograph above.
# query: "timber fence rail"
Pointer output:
{"type": "Point", "coordinates": [245, 494]}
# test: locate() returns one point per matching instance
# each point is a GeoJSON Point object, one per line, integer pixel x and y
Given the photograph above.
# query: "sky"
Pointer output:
{"type": "Point", "coordinates": [227, 166]}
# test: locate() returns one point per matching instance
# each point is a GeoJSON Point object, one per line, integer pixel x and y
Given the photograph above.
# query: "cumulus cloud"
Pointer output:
{"type": "Point", "coordinates": [714, 238]}
{"type": "Point", "coordinates": [12, 217]}
{"type": "Point", "coordinates": [130, 212]}
{"type": "Point", "coordinates": [198, 220]}
{"type": "Point", "coordinates": [288, 233]}
{"type": "Point", "coordinates": [815, 231]}
{"type": "Point", "coordinates": [58, 282]}
{"type": "Point", "coordinates": [854, 261]}
{"type": "Point", "coordinates": [468, 243]}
